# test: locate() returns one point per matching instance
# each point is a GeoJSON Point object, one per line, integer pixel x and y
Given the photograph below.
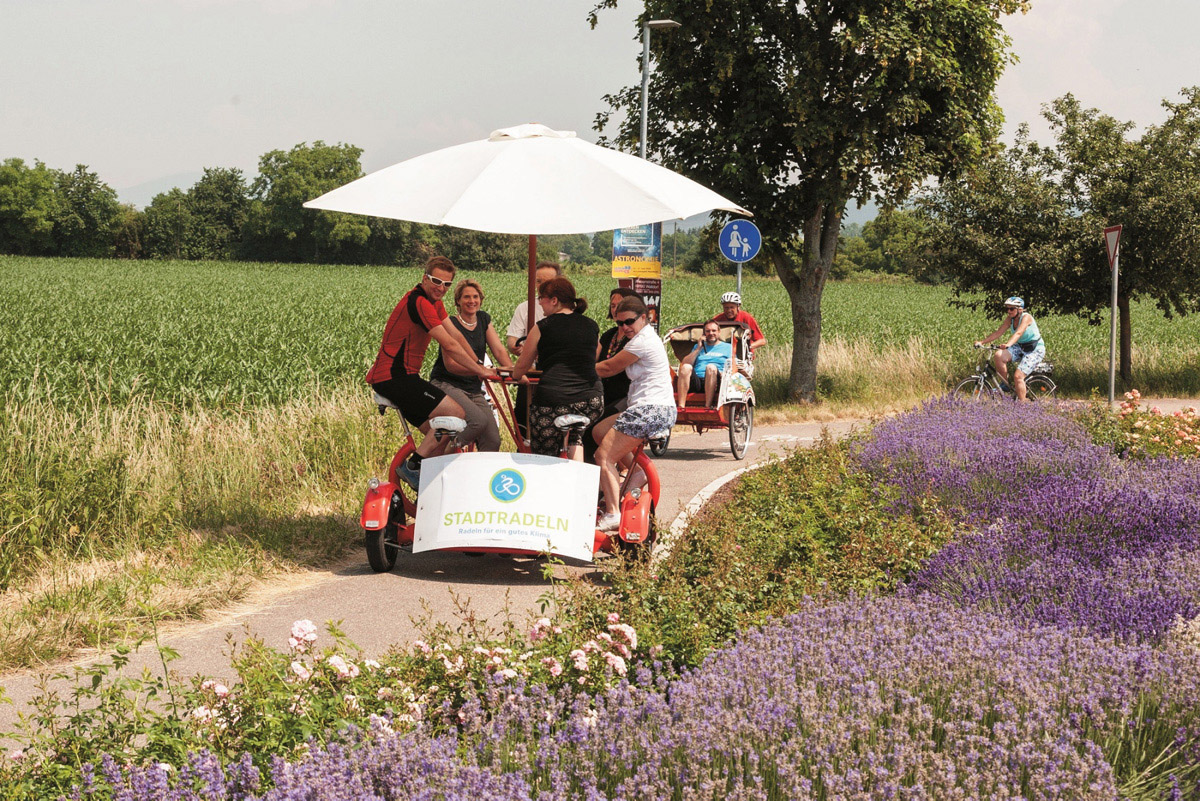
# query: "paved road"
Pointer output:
{"type": "Point", "coordinates": [377, 610]}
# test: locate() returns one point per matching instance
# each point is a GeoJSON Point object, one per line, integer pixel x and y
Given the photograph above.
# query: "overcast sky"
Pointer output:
{"type": "Point", "coordinates": [148, 92]}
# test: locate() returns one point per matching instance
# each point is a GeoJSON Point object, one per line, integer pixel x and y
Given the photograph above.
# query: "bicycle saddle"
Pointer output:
{"type": "Point", "coordinates": [383, 403]}
{"type": "Point", "coordinates": [565, 421]}
{"type": "Point", "coordinates": [451, 425]}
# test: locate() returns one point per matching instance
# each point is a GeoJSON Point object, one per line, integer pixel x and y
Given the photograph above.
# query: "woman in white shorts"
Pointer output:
{"type": "Point", "coordinates": [651, 408]}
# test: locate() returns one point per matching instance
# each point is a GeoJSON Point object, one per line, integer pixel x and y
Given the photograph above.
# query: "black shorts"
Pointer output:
{"type": "Point", "coordinates": [414, 396]}
{"type": "Point", "coordinates": [696, 384]}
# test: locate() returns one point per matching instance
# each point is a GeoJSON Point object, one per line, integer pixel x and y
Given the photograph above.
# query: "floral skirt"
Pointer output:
{"type": "Point", "coordinates": [547, 440]}
{"type": "Point", "coordinates": [644, 422]}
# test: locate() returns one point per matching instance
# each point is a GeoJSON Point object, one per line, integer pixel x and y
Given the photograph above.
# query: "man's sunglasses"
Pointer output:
{"type": "Point", "coordinates": [627, 321]}
{"type": "Point", "coordinates": [439, 281]}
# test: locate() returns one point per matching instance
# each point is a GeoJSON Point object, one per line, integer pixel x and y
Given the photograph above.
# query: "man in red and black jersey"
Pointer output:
{"type": "Point", "coordinates": [417, 319]}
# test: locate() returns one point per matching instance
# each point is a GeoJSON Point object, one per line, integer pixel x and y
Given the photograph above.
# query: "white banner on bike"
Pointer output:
{"type": "Point", "coordinates": [507, 500]}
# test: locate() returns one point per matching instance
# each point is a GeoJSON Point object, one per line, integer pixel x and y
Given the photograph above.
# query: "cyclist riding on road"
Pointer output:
{"type": "Point", "coordinates": [1024, 347]}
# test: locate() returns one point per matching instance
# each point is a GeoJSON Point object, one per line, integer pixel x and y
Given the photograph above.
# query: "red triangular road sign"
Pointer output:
{"type": "Point", "coordinates": [1112, 241]}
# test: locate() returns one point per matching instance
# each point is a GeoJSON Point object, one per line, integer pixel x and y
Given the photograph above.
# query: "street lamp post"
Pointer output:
{"type": "Point", "coordinates": [658, 24]}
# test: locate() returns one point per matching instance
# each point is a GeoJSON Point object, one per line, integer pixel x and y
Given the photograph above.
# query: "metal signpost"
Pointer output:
{"type": "Point", "coordinates": [1112, 241]}
{"type": "Point", "coordinates": [740, 242]}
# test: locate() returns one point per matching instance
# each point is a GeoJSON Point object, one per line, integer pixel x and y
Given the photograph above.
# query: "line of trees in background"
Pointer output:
{"type": "Point", "coordinates": [49, 212]}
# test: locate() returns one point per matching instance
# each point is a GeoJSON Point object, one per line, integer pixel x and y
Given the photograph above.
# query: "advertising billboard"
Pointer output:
{"type": "Point", "coordinates": [637, 251]}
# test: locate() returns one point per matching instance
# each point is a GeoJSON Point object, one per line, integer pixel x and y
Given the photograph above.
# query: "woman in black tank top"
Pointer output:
{"type": "Point", "coordinates": [564, 346]}
{"type": "Point", "coordinates": [475, 326]}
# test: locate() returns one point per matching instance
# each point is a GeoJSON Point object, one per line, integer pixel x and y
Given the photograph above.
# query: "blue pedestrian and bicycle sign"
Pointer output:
{"type": "Point", "coordinates": [740, 241]}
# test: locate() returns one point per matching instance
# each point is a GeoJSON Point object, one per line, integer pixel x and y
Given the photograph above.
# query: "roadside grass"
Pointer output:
{"type": "Point", "coordinates": [119, 516]}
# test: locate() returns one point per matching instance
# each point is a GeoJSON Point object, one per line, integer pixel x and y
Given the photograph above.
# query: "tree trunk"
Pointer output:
{"type": "Point", "coordinates": [1125, 334]}
{"type": "Point", "coordinates": [804, 284]}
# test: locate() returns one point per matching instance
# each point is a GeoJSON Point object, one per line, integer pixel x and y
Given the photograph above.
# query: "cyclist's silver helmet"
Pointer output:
{"type": "Point", "coordinates": [731, 297]}
{"type": "Point", "coordinates": [1015, 301]}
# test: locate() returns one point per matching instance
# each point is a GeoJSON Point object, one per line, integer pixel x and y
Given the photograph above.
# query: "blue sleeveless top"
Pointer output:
{"type": "Point", "coordinates": [1031, 333]}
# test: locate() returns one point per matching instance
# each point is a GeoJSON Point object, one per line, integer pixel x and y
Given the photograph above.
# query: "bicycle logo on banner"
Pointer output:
{"type": "Point", "coordinates": [507, 485]}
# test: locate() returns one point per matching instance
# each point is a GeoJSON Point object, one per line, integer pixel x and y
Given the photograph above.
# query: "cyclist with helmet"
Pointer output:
{"type": "Point", "coordinates": [731, 312]}
{"type": "Point", "coordinates": [1024, 347]}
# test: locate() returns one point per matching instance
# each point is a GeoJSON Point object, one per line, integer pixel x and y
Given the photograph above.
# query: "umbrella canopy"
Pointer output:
{"type": "Point", "coordinates": [528, 179]}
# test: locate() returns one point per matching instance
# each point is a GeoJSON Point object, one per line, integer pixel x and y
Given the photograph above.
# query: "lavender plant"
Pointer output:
{"type": "Point", "coordinates": [866, 698]}
{"type": "Point", "coordinates": [1064, 531]}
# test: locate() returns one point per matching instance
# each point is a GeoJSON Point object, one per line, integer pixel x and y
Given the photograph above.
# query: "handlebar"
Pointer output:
{"type": "Point", "coordinates": [506, 376]}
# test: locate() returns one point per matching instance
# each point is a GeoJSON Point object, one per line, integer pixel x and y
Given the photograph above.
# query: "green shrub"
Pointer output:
{"type": "Point", "coordinates": [805, 525]}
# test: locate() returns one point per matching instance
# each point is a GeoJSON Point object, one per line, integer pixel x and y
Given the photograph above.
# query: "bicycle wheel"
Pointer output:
{"type": "Point", "coordinates": [383, 545]}
{"type": "Point", "coordinates": [1040, 387]}
{"type": "Point", "coordinates": [741, 424]}
{"type": "Point", "coordinates": [970, 389]}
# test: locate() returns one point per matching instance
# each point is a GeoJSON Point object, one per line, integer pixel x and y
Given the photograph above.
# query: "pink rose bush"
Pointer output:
{"type": "Point", "coordinates": [436, 681]}
{"type": "Point", "coordinates": [1149, 432]}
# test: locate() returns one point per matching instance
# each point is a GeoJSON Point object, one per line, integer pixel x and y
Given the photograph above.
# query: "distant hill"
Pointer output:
{"type": "Point", "coordinates": [142, 194]}
{"type": "Point", "coordinates": [853, 215]}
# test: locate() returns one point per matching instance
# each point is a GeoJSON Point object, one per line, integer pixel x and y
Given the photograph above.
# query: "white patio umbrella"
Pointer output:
{"type": "Point", "coordinates": [529, 180]}
{"type": "Point", "coordinates": [526, 180]}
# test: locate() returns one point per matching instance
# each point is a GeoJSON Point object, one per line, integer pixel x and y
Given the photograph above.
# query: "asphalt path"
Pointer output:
{"type": "Point", "coordinates": [377, 611]}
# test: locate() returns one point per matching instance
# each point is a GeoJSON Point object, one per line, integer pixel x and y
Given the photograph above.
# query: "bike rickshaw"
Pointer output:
{"type": "Point", "coordinates": [734, 409]}
{"type": "Point", "coordinates": [521, 179]}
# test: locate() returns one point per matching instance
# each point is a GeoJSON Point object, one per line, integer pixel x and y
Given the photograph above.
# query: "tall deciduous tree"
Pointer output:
{"type": "Point", "coordinates": [29, 205]}
{"type": "Point", "coordinates": [479, 250]}
{"type": "Point", "coordinates": [88, 217]}
{"type": "Point", "coordinates": [169, 225]}
{"type": "Point", "coordinates": [130, 233]}
{"type": "Point", "coordinates": [1029, 221]}
{"type": "Point", "coordinates": [795, 109]}
{"type": "Point", "coordinates": [218, 202]}
{"type": "Point", "coordinates": [279, 228]}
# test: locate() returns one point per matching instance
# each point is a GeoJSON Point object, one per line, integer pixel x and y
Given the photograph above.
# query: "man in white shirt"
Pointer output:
{"type": "Point", "coordinates": [518, 329]}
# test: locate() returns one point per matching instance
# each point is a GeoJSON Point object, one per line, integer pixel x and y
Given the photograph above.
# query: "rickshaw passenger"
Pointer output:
{"type": "Point", "coordinates": [519, 329]}
{"type": "Point", "coordinates": [651, 408]}
{"type": "Point", "coordinates": [418, 318]}
{"type": "Point", "coordinates": [700, 370]}
{"type": "Point", "coordinates": [458, 380]}
{"type": "Point", "coordinates": [731, 312]}
{"type": "Point", "coordinates": [564, 346]}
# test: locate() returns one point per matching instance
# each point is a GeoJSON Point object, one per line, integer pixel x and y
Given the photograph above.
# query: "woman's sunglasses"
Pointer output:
{"type": "Point", "coordinates": [627, 321]}
{"type": "Point", "coordinates": [439, 281]}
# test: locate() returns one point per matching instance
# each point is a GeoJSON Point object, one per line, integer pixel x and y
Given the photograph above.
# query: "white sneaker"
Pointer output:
{"type": "Point", "coordinates": [610, 522]}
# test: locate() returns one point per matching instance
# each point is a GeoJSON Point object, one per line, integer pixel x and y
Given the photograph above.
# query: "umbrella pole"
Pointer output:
{"type": "Point", "coordinates": [530, 283]}
{"type": "Point", "coordinates": [529, 314]}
